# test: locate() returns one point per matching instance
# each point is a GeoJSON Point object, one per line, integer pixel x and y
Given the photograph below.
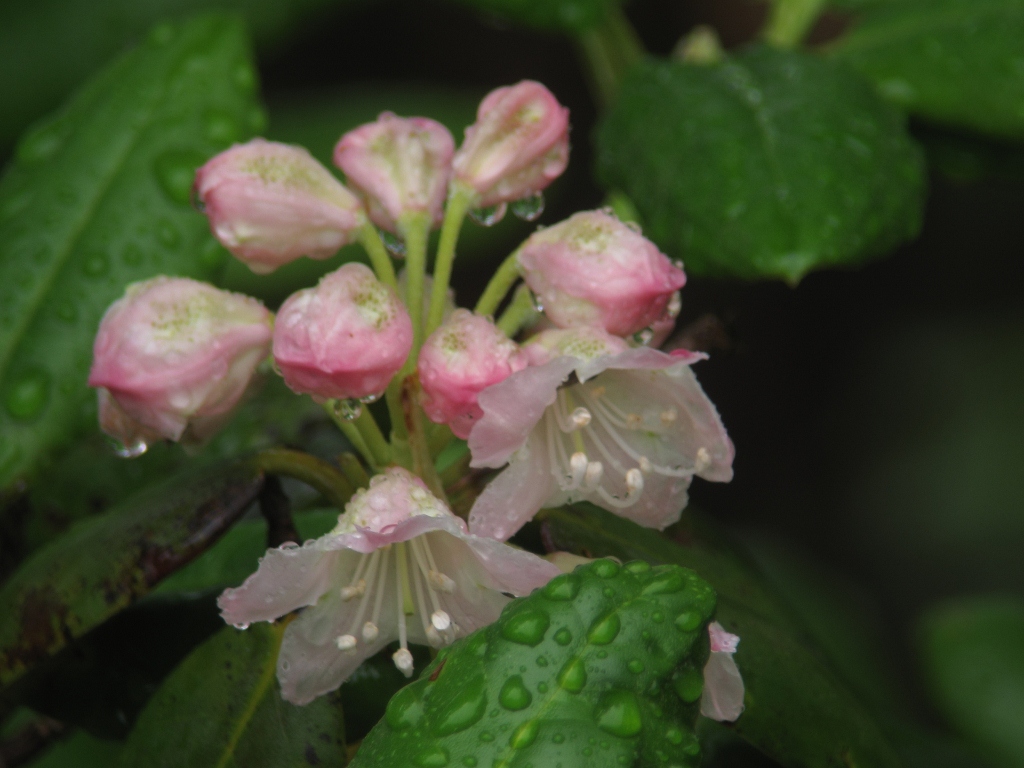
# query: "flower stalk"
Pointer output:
{"type": "Point", "coordinates": [459, 202]}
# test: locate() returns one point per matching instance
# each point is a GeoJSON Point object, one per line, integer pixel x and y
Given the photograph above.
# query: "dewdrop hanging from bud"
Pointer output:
{"type": "Point", "coordinates": [518, 145]}
{"type": "Point", "coordinates": [270, 203]}
{"type": "Point", "coordinates": [172, 358]}
{"type": "Point", "coordinates": [400, 166]}
{"type": "Point", "coordinates": [343, 339]}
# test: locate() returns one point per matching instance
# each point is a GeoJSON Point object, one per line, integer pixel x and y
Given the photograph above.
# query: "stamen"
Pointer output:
{"type": "Point", "coordinates": [580, 418]}
{"type": "Point", "coordinates": [441, 620]}
{"type": "Point", "coordinates": [441, 582]}
{"type": "Point", "coordinates": [400, 600]}
{"type": "Point", "coordinates": [371, 573]}
{"type": "Point", "coordinates": [634, 421]}
{"type": "Point", "coordinates": [595, 472]}
{"type": "Point", "coordinates": [346, 642]}
{"type": "Point", "coordinates": [702, 461]}
{"type": "Point", "coordinates": [668, 416]}
{"type": "Point", "coordinates": [379, 601]}
{"type": "Point", "coordinates": [421, 604]}
{"type": "Point", "coordinates": [355, 590]}
{"type": "Point", "coordinates": [634, 482]}
{"type": "Point", "coordinates": [579, 464]}
{"type": "Point", "coordinates": [370, 631]}
{"type": "Point", "coordinates": [403, 660]}
{"type": "Point", "coordinates": [645, 465]}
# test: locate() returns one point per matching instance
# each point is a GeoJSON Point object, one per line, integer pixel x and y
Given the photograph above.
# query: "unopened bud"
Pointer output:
{"type": "Point", "coordinates": [173, 357]}
{"type": "Point", "coordinates": [593, 270]}
{"type": "Point", "coordinates": [270, 203]}
{"type": "Point", "coordinates": [343, 339]}
{"type": "Point", "coordinates": [459, 360]}
{"type": "Point", "coordinates": [518, 145]}
{"type": "Point", "coordinates": [400, 165]}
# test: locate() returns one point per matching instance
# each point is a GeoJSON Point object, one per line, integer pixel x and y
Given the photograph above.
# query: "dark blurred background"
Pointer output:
{"type": "Point", "coordinates": [877, 413]}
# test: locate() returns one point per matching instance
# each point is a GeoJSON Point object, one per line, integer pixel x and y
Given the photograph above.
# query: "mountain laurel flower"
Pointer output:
{"type": "Point", "coordinates": [172, 358]}
{"type": "Point", "coordinates": [722, 699]}
{"type": "Point", "coordinates": [400, 165]}
{"type": "Point", "coordinates": [593, 269]}
{"type": "Point", "coordinates": [518, 145]}
{"type": "Point", "coordinates": [343, 339]}
{"type": "Point", "coordinates": [628, 433]}
{"type": "Point", "coordinates": [398, 566]}
{"type": "Point", "coordinates": [464, 356]}
{"type": "Point", "coordinates": [270, 203]}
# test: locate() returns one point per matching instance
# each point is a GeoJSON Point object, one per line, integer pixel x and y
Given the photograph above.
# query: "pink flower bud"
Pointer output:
{"type": "Point", "coordinates": [592, 269]}
{"type": "Point", "coordinates": [464, 356]}
{"type": "Point", "coordinates": [518, 145]}
{"type": "Point", "coordinates": [400, 165]}
{"type": "Point", "coordinates": [271, 203]}
{"type": "Point", "coordinates": [345, 338]}
{"type": "Point", "coordinates": [173, 357]}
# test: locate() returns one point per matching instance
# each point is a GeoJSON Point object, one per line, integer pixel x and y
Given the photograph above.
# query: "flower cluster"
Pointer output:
{"type": "Point", "coordinates": [581, 407]}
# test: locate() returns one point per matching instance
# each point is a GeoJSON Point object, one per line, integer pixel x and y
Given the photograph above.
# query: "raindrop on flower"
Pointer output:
{"type": "Point", "coordinates": [530, 207]}
{"type": "Point", "coordinates": [538, 303]}
{"type": "Point", "coordinates": [132, 451]}
{"type": "Point", "coordinates": [489, 216]}
{"type": "Point", "coordinates": [197, 201]}
{"type": "Point", "coordinates": [394, 245]}
{"type": "Point", "coordinates": [643, 337]}
{"type": "Point", "coordinates": [349, 410]}
{"type": "Point", "coordinates": [635, 227]}
{"type": "Point", "coordinates": [369, 399]}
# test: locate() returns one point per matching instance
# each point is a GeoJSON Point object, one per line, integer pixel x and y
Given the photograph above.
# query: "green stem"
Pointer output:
{"type": "Point", "coordinates": [459, 202]}
{"type": "Point", "coordinates": [379, 258]}
{"type": "Point", "coordinates": [314, 472]}
{"type": "Point", "coordinates": [422, 462]}
{"type": "Point", "coordinates": [351, 432]}
{"type": "Point", "coordinates": [608, 51]}
{"type": "Point", "coordinates": [416, 229]}
{"type": "Point", "coordinates": [375, 440]}
{"type": "Point", "coordinates": [353, 470]}
{"type": "Point", "coordinates": [519, 313]}
{"type": "Point", "coordinates": [500, 283]}
{"type": "Point", "coordinates": [790, 21]}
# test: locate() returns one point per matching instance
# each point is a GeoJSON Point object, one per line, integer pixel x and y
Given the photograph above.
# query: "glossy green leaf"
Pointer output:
{"type": "Point", "coordinates": [958, 62]}
{"type": "Point", "coordinates": [601, 668]}
{"type": "Point", "coordinates": [99, 197]}
{"type": "Point", "coordinates": [222, 707]}
{"type": "Point", "coordinates": [79, 750]}
{"type": "Point", "coordinates": [766, 165]}
{"type": "Point", "coordinates": [555, 15]}
{"type": "Point", "coordinates": [101, 565]}
{"type": "Point", "coordinates": [87, 33]}
{"type": "Point", "coordinates": [973, 656]}
{"type": "Point", "coordinates": [799, 712]}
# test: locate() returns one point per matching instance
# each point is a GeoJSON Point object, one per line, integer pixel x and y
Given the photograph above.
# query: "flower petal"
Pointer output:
{"type": "Point", "coordinates": [515, 495]}
{"type": "Point", "coordinates": [723, 688]}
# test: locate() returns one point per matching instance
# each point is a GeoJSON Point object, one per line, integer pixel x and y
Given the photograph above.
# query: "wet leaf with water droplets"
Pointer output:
{"type": "Point", "coordinates": [797, 710]}
{"type": "Point", "coordinates": [101, 194]}
{"type": "Point", "coordinates": [769, 164]}
{"type": "Point", "coordinates": [222, 706]}
{"type": "Point", "coordinates": [102, 565]}
{"type": "Point", "coordinates": [602, 698]}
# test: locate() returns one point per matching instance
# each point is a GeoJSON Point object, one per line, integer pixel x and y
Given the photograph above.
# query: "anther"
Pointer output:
{"type": "Point", "coordinates": [634, 421]}
{"type": "Point", "coordinates": [370, 631]}
{"type": "Point", "coordinates": [702, 460]}
{"type": "Point", "coordinates": [675, 304]}
{"type": "Point", "coordinates": [354, 590]}
{"type": "Point", "coordinates": [634, 482]}
{"type": "Point", "coordinates": [579, 418]}
{"type": "Point", "coordinates": [434, 637]}
{"type": "Point", "coordinates": [595, 471]}
{"type": "Point", "coordinates": [441, 620]}
{"type": "Point", "coordinates": [441, 582]}
{"type": "Point", "coordinates": [668, 416]}
{"type": "Point", "coordinates": [403, 660]}
{"type": "Point", "coordinates": [645, 465]}
{"type": "Point", "coordinates": [578, 463]}
{"type": "Point", "coordinates": [346, 642]}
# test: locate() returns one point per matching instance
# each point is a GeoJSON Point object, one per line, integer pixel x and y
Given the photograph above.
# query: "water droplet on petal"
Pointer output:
{"type": "Point", "coordinates": [395, 246]}
{"type": "Point", "coordinates": [643, 338]}
{"type": "Point", "coordinates": [242, 627]}
{"type": "Point", "coordinates": [489, 216]}
{"type": "Point", "coordinates": [130, 451]}
{"type": "Point", "coordinates": [529, 208]}
{"type": "Point", "coordinates": [369, 399]}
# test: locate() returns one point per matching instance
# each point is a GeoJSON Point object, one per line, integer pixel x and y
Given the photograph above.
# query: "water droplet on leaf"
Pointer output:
{"type": "Point", "coordinates": [432, 757]}
{"type": "Point", "coordinates": [524, 735]}
{"type": "Point", "coordinates": [464, 709]}
{"type": "Point", "coordinates": [619, 714]}
{"type": "Point", "coordinates": [513, 695]}
{"type": "Point", "coordinates": [96, 264]}
{"type": "Point", "coordinates": [605, 629]}
{"type": "Point", "coordinates": [605, 568]}
{"type": "Point", "coordinates": [573, 676]}
{"type": "Point", "coordinates": [221, 127]}
{"type": "Point", "coordinates": [526, 627]}
{"type": "Point", "coordinates": [562, 587]}
{"type": "Point", "coordinates": [175, 172]}
{"type": "Point", "coordinates": [28, 395]}
{"type": "Point", "coordinates": [393, 243]}
{"type": "Point", "coordinates": [563, 636]}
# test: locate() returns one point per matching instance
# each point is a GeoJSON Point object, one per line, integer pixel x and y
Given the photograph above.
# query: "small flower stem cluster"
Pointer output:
{"type": "Point", "coordinates": [584, 408]}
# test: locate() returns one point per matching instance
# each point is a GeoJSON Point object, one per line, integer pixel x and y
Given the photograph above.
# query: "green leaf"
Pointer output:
{"type": "Point", "coordinates": [556, 15]}
{"type": "Point", "coordinates": [222, 707]}
{"type": "Point", "coordinates": [602, 667]}
{"type": "Point", "coordinates": [80, 750]}
{"type": "Point", "coordinates": [973, 658]}
{"type": "Point", "coordinates": [99, 197]}
{"type": "Point", "coordinates": [766, 165]}
{"type": "Point", "coordinates": [87, 33]}
{"type": "Point", "coordinates": [798, 710]}
{"type": "Point", "coordinates": [102, 565]}
{"type": "Point", "coordinates": [956, 62]}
